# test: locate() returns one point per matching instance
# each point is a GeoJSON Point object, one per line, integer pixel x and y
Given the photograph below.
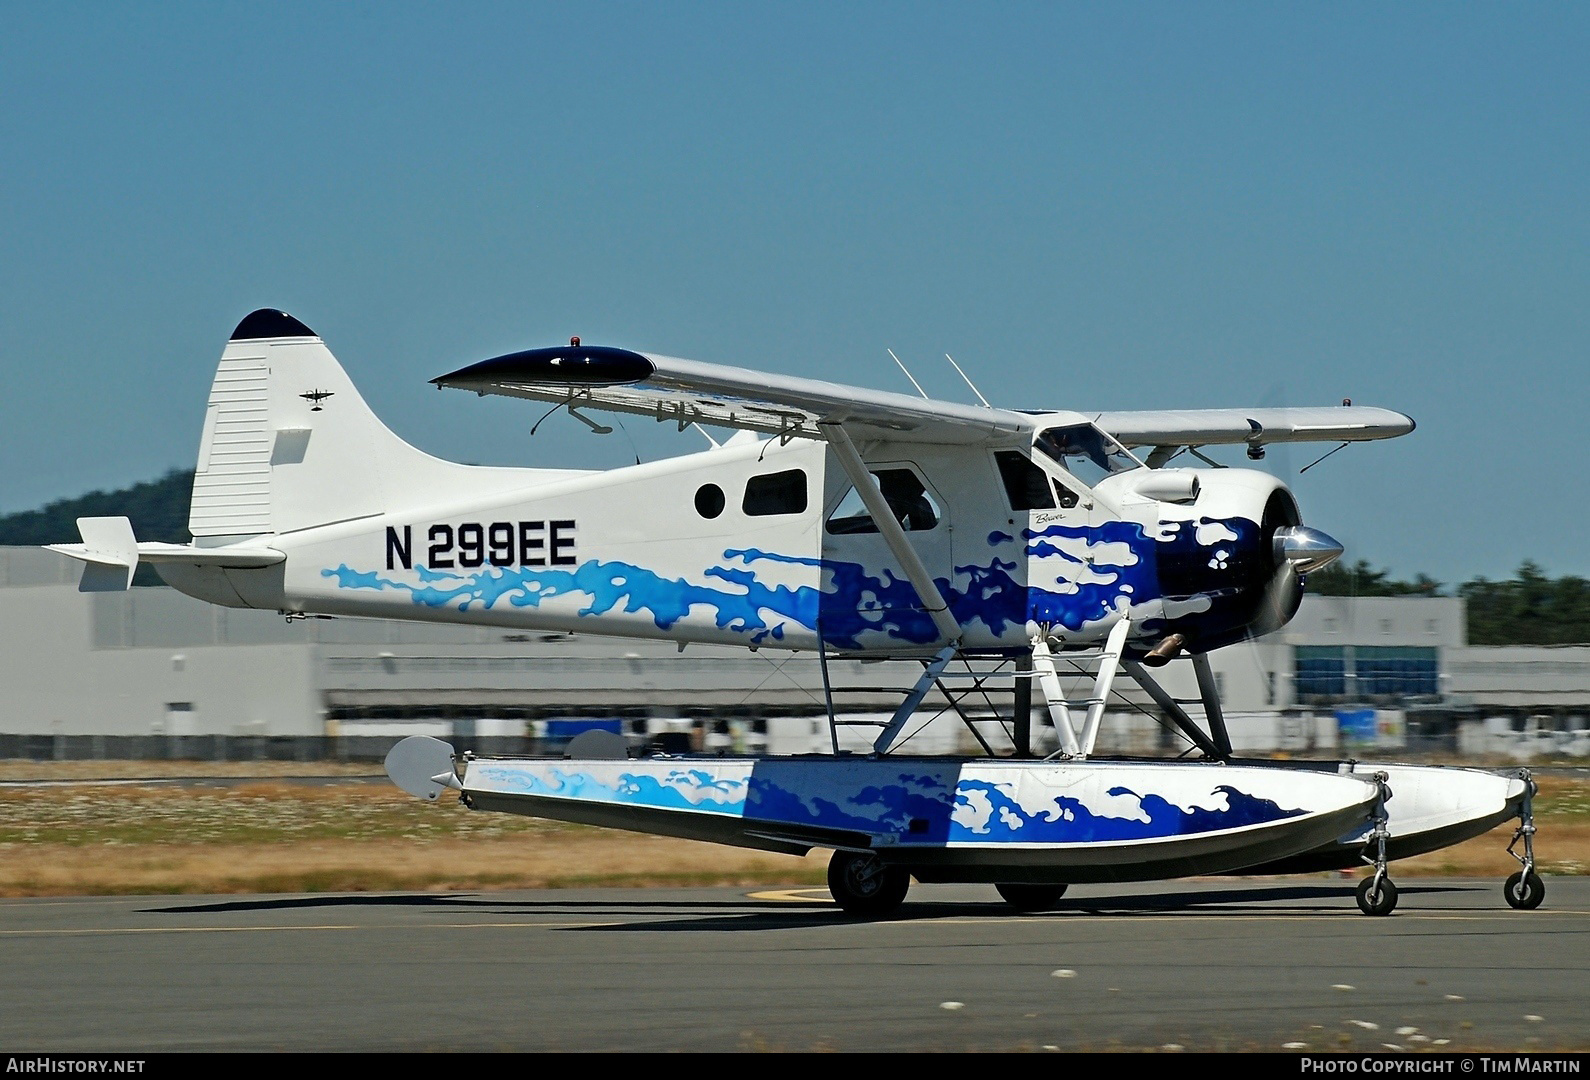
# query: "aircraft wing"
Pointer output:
{"type": "Point", "coordinates": [1203, 427]}
{"type": "Point", "coordinates": [688, 391]}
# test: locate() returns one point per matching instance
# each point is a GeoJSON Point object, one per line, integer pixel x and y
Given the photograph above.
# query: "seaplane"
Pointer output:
{"type": "Point", "coordinates": [845, 522]}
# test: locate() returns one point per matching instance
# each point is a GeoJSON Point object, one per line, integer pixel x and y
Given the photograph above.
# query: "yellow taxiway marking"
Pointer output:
{"type": "Point", "coordinates": [793, 896]}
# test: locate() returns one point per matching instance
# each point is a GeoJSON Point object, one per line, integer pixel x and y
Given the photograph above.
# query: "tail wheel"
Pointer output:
{"type": "Point", "coordinates": [1030, 897]}
{"type": "Point", "coordinates": [1376, 899]}
{"type": "Point", "coordinates": [864, 884]}
{"type": "Point", "coordinates": [1524, 891]}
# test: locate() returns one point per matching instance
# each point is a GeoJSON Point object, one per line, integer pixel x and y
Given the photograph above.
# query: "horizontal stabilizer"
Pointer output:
{"type": "Point", "coordinates": [110, 550]}
{"type": "Point", "coordinates": [113, 554]}
{"type": "Point", "coordinates": [241, 557]}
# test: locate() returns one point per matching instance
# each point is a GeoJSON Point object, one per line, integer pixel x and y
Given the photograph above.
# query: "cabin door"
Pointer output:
{"type": "Point", "coordinates": [868, 601]}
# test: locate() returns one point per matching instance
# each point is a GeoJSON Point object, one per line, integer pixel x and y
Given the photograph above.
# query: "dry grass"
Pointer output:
{"type": "Point", "coordinates": [276, 836]}
{"type": "Point", "coordinates": [119, 770]}
{"type": "Point", "coordinates": [556, 860]}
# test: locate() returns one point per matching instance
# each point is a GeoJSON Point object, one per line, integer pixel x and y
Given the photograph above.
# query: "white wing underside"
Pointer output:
{"type": "Point", "coordinates": [1205, 427]}
{"type": "Point", "coordinates": [689, 391]}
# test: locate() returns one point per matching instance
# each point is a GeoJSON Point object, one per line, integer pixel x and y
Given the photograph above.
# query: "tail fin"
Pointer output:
{"type": "Point", "coordinates": [288, 441]}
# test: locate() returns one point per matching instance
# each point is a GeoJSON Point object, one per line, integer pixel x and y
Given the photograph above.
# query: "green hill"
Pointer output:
{"type": "Point", "coordinates": [158, 510]}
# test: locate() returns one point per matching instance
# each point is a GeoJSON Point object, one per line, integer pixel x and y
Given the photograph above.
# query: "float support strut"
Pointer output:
{"type": "Point", "coordinates": [1172, 707]}
{"type": "Point", "coordinates": [1209, 690]}
{"type": "Point", "coordinates": [1059, 710]}
{"type": "Point", "coordinates": [1114, 645]}
{"type": "Point", "coordinates": [1021, 715]}
{"type": "Point", "coordinates": [930, 675]}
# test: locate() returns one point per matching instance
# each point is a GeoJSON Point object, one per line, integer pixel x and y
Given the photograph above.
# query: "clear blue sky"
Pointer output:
{"type": "Point", "coordinates": [1091, 206]}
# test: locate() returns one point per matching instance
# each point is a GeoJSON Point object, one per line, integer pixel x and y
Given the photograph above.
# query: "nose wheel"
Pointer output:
{"type": "Point", "coordinates": [1376, 893]}
{"type": "Point", "coordinates": [1524, 890]}
{"type": "Point", "coordinates": [864, 884]}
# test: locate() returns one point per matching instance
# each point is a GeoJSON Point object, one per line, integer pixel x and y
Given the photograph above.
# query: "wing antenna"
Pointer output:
{"type": "Point", "coordinates": [548, 413]}
{"type": "Point", "coordinates": [969, 382]}
{"type": "Point", "coordinates": [1319, 459]}
{"type": "Point", "coordinates": [908, 374]}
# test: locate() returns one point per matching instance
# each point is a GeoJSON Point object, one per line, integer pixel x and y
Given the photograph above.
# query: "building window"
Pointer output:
{"type": "Point", "coordinates": [1370, 671]}
{"type": "Point", "coordinates": [1396, 671]}
{"type": "Point", "coordinates": [1321, 671]}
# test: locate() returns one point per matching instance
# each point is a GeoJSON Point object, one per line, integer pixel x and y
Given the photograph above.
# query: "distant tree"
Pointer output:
{"type": "Point", "coordinates": [1530, 609]}
{"type": "Point", "coordinates": [1361, 579]}
{"type": "Point", "coordinates": [158, 510]}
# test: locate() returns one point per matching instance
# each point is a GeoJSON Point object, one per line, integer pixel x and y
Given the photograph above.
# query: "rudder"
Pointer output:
{"type": "Point", "coordinates": [288, 441]}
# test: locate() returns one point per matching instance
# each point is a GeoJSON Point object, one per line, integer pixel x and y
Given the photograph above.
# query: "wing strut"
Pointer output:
{"type": "Point", "coordinates": [893, 534]}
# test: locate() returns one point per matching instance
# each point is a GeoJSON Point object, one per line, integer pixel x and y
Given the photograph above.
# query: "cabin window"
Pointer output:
{"type": "Point", "coordinates": [1029, 487]}
{"type": "Point", "coordinates": [1026, 485]}
{"type": "Point", "coordinates": [709, 500]}
{"type": "Point", "coordinates": [906, 495]}
{"type": "Point", "coordinates": [775, 493]}
{"type": "Point", "coordinates": [1086, 452]}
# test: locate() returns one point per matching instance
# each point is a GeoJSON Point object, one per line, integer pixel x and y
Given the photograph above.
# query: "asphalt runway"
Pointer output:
{"type": "Point", "coordinates": [1232, 964]}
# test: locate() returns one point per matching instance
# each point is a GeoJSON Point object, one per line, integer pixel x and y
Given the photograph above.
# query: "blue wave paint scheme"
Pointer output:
{"type": "Point", "coordinates": [609, 584]}
{"type": "Point", "coordinates": [859, 797]}
{"type": "Point", "coordinates": [632, 789]}
{"type": "Point", "coordinates": [856, 602]}
{"type": "Point", "coordinates": [1067, 821]}
{"type": "Point", "coordinates": [1126, 567]}
{"type": "Point", "coordinates": [1132, 578]}
{"type": "Point", "coordinates": [915, 802]}
{"type": "Point", "coordinates": [996, 538]}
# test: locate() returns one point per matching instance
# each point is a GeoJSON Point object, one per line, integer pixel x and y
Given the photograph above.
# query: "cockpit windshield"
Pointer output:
{"type": "Point", "coordinates": [1086, 452]}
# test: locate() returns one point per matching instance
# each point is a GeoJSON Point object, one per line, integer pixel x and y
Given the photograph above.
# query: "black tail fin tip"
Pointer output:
{"type": "Point", "coordinates": [270, 323]}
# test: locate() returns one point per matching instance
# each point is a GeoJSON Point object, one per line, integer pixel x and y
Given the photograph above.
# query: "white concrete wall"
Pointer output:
{"type": "Point", "coordinates": [55, 683]}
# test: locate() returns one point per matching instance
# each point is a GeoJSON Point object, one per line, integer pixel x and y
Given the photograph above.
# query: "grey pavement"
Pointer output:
{"type": "Point", "coordinates": [1228, 964]}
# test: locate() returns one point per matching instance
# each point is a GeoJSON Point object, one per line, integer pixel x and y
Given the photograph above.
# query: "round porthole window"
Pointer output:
{"type": "Point", "coordinates": [709, 500]}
